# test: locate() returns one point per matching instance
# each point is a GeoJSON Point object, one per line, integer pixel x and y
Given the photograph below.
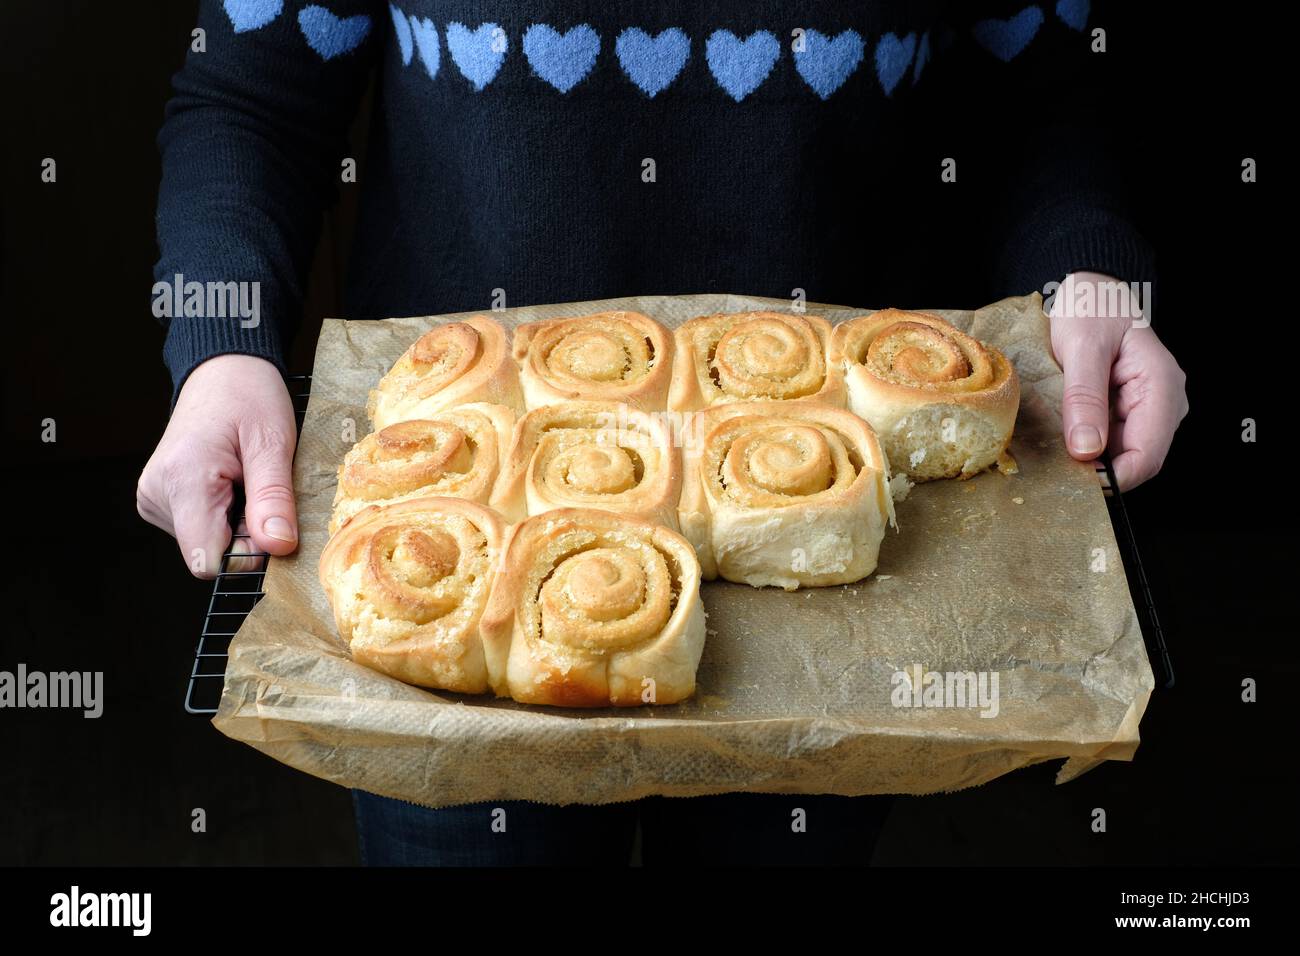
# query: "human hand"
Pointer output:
{"type": "Point", "coordinates": [1123, 389]}
{"type": "Point", "coordinates": [233, 421]}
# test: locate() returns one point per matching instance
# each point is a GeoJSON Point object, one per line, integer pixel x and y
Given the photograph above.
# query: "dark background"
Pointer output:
{"type": "Point", "coordinates": [91, 587]}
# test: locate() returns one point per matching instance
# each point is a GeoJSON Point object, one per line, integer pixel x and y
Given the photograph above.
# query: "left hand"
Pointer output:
{"type": "Point", "coordinates": [1123, 389]}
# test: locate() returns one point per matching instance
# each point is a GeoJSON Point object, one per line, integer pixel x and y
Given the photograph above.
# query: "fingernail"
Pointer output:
{"type": "Point", "coordinates": [1085, 440]}
{"type": "Point", "coordinates": [278, 528]}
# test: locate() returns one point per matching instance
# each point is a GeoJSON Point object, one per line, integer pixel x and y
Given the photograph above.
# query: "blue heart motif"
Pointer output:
{"type": "Point", "coordinates": [922, 56]}
{"type": "Point", "coordinates": [1006, 39]}
{"type": "Point", "coordinates": [331, 36]}
{"type": "Point", "coordinates": [893, 57]}
{"type": "Point", "coordinates": [826, 62]}
{"type": "Point", "coordinates": [561, 59]}
{"type": "Point", "coordinates": [1073, 13]}
{"type": "Point", "coordinates": [248, 15]}
{"type": "Point", "coordinates": [426, 43]}
{"type": "Point", "coordinates": [652, 63]}
{"type": "Point", "coordinates": [740, 67]}
{"type": "Point", "coordinates": [402, 30]}
{"type": "Point", "coordinates": [476, 53]}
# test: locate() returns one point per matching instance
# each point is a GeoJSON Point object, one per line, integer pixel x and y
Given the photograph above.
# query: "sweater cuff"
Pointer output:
{"type": "Point", "coordinates": [192, 341]}
{"type": "Point", "coordinates": [1088, 241]}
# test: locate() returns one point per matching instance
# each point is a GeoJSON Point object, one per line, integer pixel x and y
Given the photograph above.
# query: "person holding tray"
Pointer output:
{"type": "Point", "coordinates": [898, 153]}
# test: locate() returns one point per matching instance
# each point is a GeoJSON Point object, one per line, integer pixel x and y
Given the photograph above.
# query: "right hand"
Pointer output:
{"type": "Point", "coordinates": [233, 421]}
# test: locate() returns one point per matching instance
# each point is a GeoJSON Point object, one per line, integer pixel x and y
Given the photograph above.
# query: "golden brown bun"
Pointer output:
{"type": "Point", "coordinates": [752, 356]}
{"type": "Point", "coordinates": [456, 453]}
{"type": "Point", "coordinates": [943, 403]}
{"type": "Point", "coordinates": [409, 583]}
{"type": "Point", "coordinates": [591, 455]}
{"type": "Point", "coordinates": [595, 609]}
{"type": "Point", "coordinates": [453, 364]}
{"type": "Point", "coordinates": [791, 494]}
{"type": "Point", "coordinates": [609, 356]}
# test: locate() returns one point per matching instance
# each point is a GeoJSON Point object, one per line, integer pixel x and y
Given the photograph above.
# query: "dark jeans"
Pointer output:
{"type": "Point", "coordinates": [736, 828]}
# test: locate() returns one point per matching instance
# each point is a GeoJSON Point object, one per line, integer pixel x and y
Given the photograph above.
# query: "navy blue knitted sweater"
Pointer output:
{"type": "Point", "coordinates": [533, 151]}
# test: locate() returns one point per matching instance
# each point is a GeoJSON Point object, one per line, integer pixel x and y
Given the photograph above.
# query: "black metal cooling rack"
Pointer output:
{"type": "Point", "coordinates": [1139, 585]}
{"type": "Point", "coordinates": [237, 588]}
{"type": "Point", "coordinates": [235, 592]}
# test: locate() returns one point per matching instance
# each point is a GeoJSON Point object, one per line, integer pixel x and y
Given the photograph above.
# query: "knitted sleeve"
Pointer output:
{"type": "Point", "coordinates": [1047, 138]}
{"type": "Point", "coordinates": [252, 148]}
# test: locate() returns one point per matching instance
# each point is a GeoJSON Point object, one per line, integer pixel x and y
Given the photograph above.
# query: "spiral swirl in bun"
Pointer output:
{"type": "Point", "coordinates": [456, 454]}
{"type": "Point", "coordinates": [454, 364]}
{"type": "Point", "coordinates": [793, 494]}
{"type": "Point", "coordinates": [409, 582]}
{"type": "Point", "coordinates": [609, 356]}
{"type": "Point", "coordinates": [591, 455]}
{"type": "Point", "coordinates": [943, 403]}
{"type": "Point", "coordinates": [595, 609]}
{"type": "Point", "coordinates": [752, 356]}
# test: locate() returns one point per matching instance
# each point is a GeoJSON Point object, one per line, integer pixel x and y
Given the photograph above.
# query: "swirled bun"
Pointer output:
{"type": "Point", "coordinates": [609, 356]}
{"type": "Point", "coordinates": [943, 403]}
{"type": "Point", "coordinates": [791, 494]}
{"type": "Point", "coordinates": [752, 356]}
{"type": "Point", "coordinates": [603, 455]}
{"type": "Point", "coordinates": [454, 364]}
{"type": "Point", "coordinates": [595, 609]}
{"type": "Point", "coordinates": [409, 583]}
{"type": "Point", "coordinates": [457, 453]}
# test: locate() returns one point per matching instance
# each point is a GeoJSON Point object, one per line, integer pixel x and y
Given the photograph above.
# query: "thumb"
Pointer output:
{"type": "Point", "coordinates": [1085, 409]}
{"type": "Point", "coordinates": [267, 452]}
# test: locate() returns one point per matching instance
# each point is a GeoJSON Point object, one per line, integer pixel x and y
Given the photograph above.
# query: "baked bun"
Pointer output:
{"type": "Point", "coordinates": [791, 494]}
{"type": "Point", "coordinates": [943, 403]}
{"type": "Point", "coordinates": [610, 356]}
{"type": "Point", "coordinates": [591, 455]}
{"type": "Point", "coordinates": [454, 364]}
{"type": "Point", "coordinates": [409, 583]}
{"type": "Point", "coordinates": [595, 609]}
{"type": "Point", "coordinates": [456, 454]}
{"type": "Point", "coordinates": [752, 356]}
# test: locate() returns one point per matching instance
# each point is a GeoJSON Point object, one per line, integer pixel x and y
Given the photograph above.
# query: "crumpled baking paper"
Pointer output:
{"type": "Point", "coordinates": [1009, 577]}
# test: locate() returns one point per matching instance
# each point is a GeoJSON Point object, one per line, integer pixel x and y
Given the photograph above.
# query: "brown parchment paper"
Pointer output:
{"type": "Point", "coordinates": [1014, 574]}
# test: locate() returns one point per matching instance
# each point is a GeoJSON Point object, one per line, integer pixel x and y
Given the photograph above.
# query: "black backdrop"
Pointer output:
{"type": "Point", "coordinates": [90, 587]}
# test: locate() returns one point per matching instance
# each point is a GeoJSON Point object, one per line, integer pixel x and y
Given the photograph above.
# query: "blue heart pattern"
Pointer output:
{"type": "Point", "coordinates": [426, 43]}
{"type": "Point", "coordinates": [652, 63]}
{"type": "Point", "coordinates": [825, 62]}
{"type": "Point", "coordinates": [561, 59]}
{"type": "Point", "coordinates": [402, 30]}
{"type": "Point", "coordinates": [893, 57]}
{"type": "Point", "coordinates": [478, 53]}
{"type": "Point", "coordinates": [1073, 13]}
{"type": "Point", "coordinates": [1007, 39]}
{"type": "Point", "coordinates": [741, 66]}
{"type": "Point", "coordinates": [248, 15]}
{"type": "Point", "coordinates": [332, 36]}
